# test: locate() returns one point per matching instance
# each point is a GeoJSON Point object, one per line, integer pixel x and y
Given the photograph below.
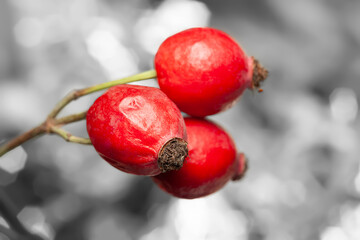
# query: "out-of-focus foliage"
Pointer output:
{"type": "Point", "coordinates": [301, 135]}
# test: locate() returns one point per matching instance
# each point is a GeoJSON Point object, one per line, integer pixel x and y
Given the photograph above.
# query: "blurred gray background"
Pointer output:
{"type": "Point", "coordinates": [301, 134]}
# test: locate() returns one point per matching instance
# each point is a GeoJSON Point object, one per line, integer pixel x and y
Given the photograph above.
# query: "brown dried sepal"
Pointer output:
{"type": "Point", "coordinates": [259, 75]}
{"type": "Point", "coordinates": [173, 154]}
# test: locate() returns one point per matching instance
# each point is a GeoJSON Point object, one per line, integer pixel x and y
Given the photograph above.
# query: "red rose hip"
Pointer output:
{"type": "Point", "coordinates": [204, 71]}
{"type": "Point", "coordinates": [211, 163]}
{"type": "Point", "coordinates": [138, 130]}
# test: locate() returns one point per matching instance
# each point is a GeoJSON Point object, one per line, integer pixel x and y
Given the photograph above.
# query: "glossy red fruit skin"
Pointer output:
{"type": "Point", "coordinates": [203, 70]}
{"type": "Point", "coordinates": [129, 124]}
{"type": "Point", "coordinates": [211, 163]}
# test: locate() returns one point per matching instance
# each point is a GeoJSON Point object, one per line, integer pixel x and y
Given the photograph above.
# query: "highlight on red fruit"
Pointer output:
{"type": "Point", "coordinates": [204, 71]}
{"type": "Point", "coordinates": [212, 162]}
{"type": "Point", "coordinates": [138, 130]}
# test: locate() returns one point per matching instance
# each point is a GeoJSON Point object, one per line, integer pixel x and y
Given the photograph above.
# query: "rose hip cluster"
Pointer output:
{"type": "Point", "coordinates": [141, 130]}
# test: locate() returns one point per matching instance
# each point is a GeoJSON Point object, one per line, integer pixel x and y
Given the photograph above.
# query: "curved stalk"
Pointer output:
{"type": "Point", "coordinates": [52, 124]}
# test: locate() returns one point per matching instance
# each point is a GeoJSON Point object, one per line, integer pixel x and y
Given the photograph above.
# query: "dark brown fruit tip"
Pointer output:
{"type": "Point", "coordinates": [259, 74]}
{"type": "Point", "coordinates": [173, 154]}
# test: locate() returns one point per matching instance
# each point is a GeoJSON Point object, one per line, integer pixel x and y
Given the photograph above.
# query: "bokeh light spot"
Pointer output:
{"type": "Point", "coordinates": [169, 18]}
{"type": "Point", "coordinates": [29, 32]}
{"type": "Point", "coordinates": [33, 219]}
{"type": "Point", "coordinates": [343, 105]}
{"type": "Point", "coordinates": [14, 161]}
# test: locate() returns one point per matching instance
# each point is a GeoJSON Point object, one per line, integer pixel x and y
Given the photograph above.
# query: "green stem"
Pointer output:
{"type": "Point", "coordinates": [70, 118]}
{"type": "Point", "coordinates": [69, 137]}
{"type": "Point", "coordinates": [85, 91]}
{"type": "Point", "coordinates": [137, 77]}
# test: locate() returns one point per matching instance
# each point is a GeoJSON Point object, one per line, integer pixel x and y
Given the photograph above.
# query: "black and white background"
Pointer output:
{"type": "Point", "coordinates": [301, 135]}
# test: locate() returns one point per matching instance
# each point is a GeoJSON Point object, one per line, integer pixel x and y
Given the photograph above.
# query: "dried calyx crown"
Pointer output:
{"type": "Point", "coordinates": [259, 75]}
{"type": "Point", "coordinates": [172, 154]}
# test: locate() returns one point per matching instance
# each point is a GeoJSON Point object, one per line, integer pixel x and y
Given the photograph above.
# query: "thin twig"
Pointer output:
{"type": "Point", "coordinates": [75, 94]}
{"type": "Point", "coordinates": [68, 136]}
{"type": "Point", "coordinates": [70, 118]}
{"type": "Point", "coordinates": [134, 78]}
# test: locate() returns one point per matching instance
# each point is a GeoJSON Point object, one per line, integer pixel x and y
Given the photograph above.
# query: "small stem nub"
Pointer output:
{"type": "Point", "coordinates": [259, 75]}
{"type": "Point", "coordinates": [241, 167]}
{"type": "Point", "coordinates": [173, 154]}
